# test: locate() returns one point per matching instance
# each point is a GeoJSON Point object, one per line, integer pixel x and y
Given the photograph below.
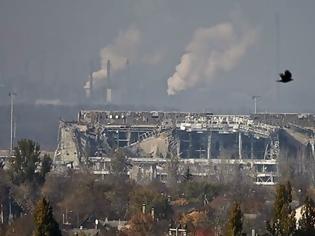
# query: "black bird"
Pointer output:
{"type": "Point", "coordinates": [285, 77]}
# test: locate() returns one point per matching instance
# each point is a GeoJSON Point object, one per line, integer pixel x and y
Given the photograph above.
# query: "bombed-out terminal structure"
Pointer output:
{"type": "Point", "coordinates": [212, 146]}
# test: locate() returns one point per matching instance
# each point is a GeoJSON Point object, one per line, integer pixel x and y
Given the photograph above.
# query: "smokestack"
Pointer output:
{"type": "Point", "coordinates": [109, 86]}
{"type": "Point", "coordinates": [91, 79]}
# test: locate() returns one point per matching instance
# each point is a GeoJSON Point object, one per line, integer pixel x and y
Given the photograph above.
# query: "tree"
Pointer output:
{"type": "Point", "coordinates": [283, 217]}
{"type": "Point", "coordinates": [25, 162]}
{"type": "Point", "coordinates": [4, 195]}
{"type": "Point", "coordinates": [46, 164]}
{"type": "Point", "coordinates": [307, 222]}
{"type": "Point", "coordinates": [26, 165]}
{"type": "Point", "coordinates": [45, 224]}
{"type": "Point", "coordinates": [172, 170]}
{"type": "Point", "coordinates": [187, 177]}
{"type": "Point", "coordinates": [198, 191]}
{"type": "Point", "coordinates": [141, 224]}
{"type": "Point", "coordinates": [235, 221]}
{"type": "Point", "coordinates": [151, 199]}
{"type": "Point", "coordinates": [119, 163]}
{"type": "Point", "coordinates": [195, 219]}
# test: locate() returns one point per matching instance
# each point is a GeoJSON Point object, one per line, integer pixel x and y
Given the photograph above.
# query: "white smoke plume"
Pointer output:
{"type": "Point", "coordinates": [124, 48]}
{"type": "Point", "coordinates": [211, 50]}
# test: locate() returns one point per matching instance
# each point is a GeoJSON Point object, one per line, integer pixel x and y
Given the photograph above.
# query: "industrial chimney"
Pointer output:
{"type": "Point", "coordinates": [91, 80]}
{"type": "Point", "coordinates": [109, 86]}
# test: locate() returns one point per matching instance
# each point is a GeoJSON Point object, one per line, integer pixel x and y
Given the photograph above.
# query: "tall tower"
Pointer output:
{"type": "Point", "coordinates": [255, 103]}
{"type": "Point", "coordinates": [109, 86]}
{"type": "Point", "coordinates": [91, 79]}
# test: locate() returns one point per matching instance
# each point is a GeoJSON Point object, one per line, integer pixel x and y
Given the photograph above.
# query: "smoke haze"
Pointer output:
{"type": "Point", "coordinates": [124, 48]}
{"type": "Point", "coordinates": [212, 50]}
{"type": "Point", "coordinates": [195, 50]}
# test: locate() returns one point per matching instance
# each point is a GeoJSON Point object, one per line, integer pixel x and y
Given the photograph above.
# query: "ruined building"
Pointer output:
{"type": "Point", "coordinates": [204, 142]}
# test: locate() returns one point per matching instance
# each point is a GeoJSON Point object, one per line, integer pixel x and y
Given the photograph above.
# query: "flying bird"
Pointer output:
{"type": "Point", "coordinates": [285, 77]}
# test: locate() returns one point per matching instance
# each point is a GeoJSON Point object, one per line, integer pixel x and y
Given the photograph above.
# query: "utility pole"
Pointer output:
{"type": "Point", "coordinates": [12, 96]}
{"type": "Point", "coordinates": [255, 103]}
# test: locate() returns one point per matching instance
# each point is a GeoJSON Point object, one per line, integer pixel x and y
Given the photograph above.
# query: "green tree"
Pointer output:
{"type": "Point", "coordinates": [198, 191]}
{"type": "Point", "coordinates": [45, 224]}
{"type": "Point", "coordinates": [307, 222]}
{"type": "Point", "coordinates": [283, 217]}
{"type": "Point", "coordinates": [119, 163]}
{"type": "Point", "coordinates": [25, 161]}
{"type": "Point", "coordinates": [26, 165]}
{"type": "Point", "coordinates": [235, 221]}
{"type": "Point", "coordinates": [46, 164]}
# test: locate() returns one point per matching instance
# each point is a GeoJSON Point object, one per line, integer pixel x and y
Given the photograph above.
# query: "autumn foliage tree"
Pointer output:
{"type": "Point", "coordinates": [45, 224]}
{"type": "Point", "coordinates": [235, 221]}
{"type": "Point", "coordinates": [283, 217]}
{"type": "Point", "coordinates": [141, 224]}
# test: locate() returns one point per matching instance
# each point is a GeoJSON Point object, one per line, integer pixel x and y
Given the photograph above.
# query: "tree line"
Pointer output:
{"type": "Point", "coordinates": [39, 199]}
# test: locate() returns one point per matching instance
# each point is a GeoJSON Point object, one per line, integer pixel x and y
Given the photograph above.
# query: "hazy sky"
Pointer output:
{"type": "Point", "coordinates": [192, 55]}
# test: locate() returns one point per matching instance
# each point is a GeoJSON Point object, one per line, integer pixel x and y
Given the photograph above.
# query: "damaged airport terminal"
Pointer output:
{"type": "Point", "coordinates": [210, 145]}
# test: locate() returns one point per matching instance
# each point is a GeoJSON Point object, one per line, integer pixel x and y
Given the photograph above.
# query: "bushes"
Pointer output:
{"type": "Point", "coordinates": [195, 191]}
{"type": "Point", "coordinates": [151, 199]}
